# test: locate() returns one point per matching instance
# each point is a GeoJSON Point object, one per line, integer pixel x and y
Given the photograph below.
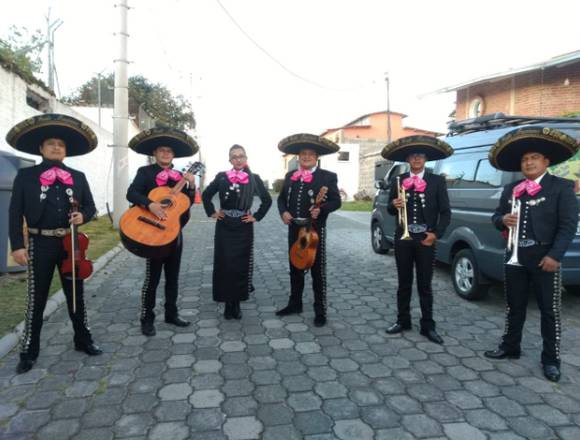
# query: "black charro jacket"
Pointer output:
{"type": "Point", "coordinates": [297, 197]}
{"type": "Point", "coordinates": [26, 202]}
{"type": "Point", "coordinates": [554, 219]}
{"type": "Point", "coordinates": [437, 211]}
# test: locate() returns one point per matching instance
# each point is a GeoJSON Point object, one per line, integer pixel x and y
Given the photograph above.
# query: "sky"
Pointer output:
{"type": "Point", "coordinates": [301, 65]}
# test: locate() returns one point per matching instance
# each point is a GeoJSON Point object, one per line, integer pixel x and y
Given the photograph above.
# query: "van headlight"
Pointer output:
{"type": "Point", "coordinates": [578, 227]}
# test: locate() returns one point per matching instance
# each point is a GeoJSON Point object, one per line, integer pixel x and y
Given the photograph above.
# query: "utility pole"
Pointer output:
{"type": "Point", "coordinates": [99, 99]}
{"type": "Point", "coordinates": [388, 109]}
{"type": "Point", "coordinates": [120, 117]}
{"type": "Point", "coordinates": [50, 30]}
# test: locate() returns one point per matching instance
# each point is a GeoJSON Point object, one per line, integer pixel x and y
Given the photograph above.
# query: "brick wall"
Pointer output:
{"type": "Point", "coordinates": [549, 92]}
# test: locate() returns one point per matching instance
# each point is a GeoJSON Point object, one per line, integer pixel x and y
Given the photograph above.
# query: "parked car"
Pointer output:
{"type": "Point", "coordinates": [472, 245]}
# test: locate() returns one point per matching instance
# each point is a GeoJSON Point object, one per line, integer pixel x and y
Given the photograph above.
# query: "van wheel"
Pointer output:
{"type": "Point", "coordinates": [378, 240]}
{"type": "Point", "coordinates": [574, 290]}
{"type": "Point", "coordinates": [466, 277]}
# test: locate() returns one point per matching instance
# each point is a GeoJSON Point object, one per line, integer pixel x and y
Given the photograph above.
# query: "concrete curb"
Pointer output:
{"type": "Point", "coordinates": [10, 340]}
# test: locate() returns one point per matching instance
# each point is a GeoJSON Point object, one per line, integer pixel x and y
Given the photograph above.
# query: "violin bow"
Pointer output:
{"type": "Point", "coordinates": [73, 256]}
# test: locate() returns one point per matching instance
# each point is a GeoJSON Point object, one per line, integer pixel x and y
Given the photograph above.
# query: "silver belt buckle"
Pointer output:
{"type": "Point", "coordinates": [300, 221]}
{"type": "Point", "coordinates": [415, 228]}
{"type": "Point", "coordinates": [234, 213]}
{"type": "Point", "coordinates": [60, 232]}
{"type": "Point", "coordinates": [526, 242]}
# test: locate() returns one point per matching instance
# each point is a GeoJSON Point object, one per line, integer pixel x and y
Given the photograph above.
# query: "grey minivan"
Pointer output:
{"type": "Point", "coordinates": [471, 245]}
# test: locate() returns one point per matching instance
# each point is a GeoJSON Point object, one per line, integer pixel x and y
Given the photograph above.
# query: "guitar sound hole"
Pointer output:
{"type": "Point", "coordinates": [303, 242]}
{"type": "Point", "coordinates": [166, 203]}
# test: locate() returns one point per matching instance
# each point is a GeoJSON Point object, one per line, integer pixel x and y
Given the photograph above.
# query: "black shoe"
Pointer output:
{"type": "Point", "coordinates": [148, 328]}
{"type": "Point", "coordinates": [397, 328]}
{"type": "Point", "coordinates": [236, 310]}
{"type": "Point", "coordinates": [432, 335]}
{"type": "Point", "coordinates": [290, 309]}
{"type": "Point", "coordinates": [252, 288]}
{"type": "Point", "coordinates": [319, 320]}
{"type": "Point", "coordinates": [25, 365]}
{"type": "Point", "coordinates": [500, 353]}
{"type": "Point", "coordinates": [91, 349]}
{"type": "Point", "coordinates": [177, 321]}
{"type": "Point", "coordinates": [552, 373]}
{"type": "Point", "coordinates": [229, 311]}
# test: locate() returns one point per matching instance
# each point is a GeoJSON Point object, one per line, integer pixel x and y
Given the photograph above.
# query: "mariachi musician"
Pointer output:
{"type": "Point", "coordinates": [296, 202]}
{"type": "Point", "coordinates": [423, 217]}
{"type": "Point", "coordinates": [163, 144]}
{"type": "Point", "coordinates": [538, 236]}
{"type": "Point", "coordinates": [43, 195]}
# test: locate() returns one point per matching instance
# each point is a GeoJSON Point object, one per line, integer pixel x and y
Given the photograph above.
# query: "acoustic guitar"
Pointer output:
{"type": "Point", "coordinates": [147, 236]}
{"type": "Point", "coordinates": [303, 251]}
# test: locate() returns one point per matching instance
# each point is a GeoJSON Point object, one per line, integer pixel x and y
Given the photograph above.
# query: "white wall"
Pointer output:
{"type": "Point", "coordinates": [347, 171]}
{"type": "Point", "coordinates": [97, 165]}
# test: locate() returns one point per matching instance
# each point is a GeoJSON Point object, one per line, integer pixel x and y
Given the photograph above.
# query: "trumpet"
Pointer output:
{"type": "Point", "coordinates": [514, 233]}
{"type": "Point", "coordinates": [403, 221]}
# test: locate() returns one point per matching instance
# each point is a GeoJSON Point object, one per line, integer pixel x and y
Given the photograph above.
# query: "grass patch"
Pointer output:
{"type": "Point", "coordinates": [357, 205]}
{"type": "Point", "coordinates": [103, 237]}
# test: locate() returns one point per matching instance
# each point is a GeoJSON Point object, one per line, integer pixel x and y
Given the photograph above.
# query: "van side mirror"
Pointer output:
{"type": "Point", "coordinates": [381, 184]}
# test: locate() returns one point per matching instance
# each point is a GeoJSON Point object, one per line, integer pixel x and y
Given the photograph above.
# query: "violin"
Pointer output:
{"type": "Point", "coordinates": [76, 265]}
{"type": "Point", "coordinates": [303, 251]}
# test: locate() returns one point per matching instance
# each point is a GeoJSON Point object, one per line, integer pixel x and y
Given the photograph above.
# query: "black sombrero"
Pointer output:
{"type": "Point", "coordinates": [180, 142]}
{"type": "Point", "coordinates": [293, 144]}
{"type": "Point", "coordinates": [507, 152]}
{"type": "Point", "coordinates": [431, 147]}
{"type": "Point", "coordinates": [28, 135]}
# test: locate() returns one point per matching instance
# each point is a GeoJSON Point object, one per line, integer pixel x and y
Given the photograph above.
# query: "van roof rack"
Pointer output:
{"type": "Point", "coordinates": [497, 120]}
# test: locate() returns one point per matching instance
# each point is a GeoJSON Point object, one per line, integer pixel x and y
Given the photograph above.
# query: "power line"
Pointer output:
{"type": "Point", "coordinates": [280, 64]}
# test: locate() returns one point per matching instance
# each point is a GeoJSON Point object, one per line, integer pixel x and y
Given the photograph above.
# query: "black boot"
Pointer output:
{"type": "Point", "coordinates": [91, 349]}
{"type": "Point", "coordinates": [25, 365]}
{"type": "Point", "coordinates": [148, 328]}
{"type": "Point", "coordinates": [291, 309]}
{"type": "Point", "coordinates": [229, 310]}
{"type": "Point", "coordinates": [236, 310]}
{"type": "Point", "coordinates": [176, 321]}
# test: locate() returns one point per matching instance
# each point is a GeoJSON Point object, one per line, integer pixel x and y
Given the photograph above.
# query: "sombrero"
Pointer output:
{"type": "Point", "coordinates": [180, 142]}
{"type": "Point", "coordinates": [507, 152]}
{"type": "Point", "coordinates": [293, 144]}
{"type": "Point", "coordinates": [27, 136]}
{"type": "Point", "coordinates": [431, 147]}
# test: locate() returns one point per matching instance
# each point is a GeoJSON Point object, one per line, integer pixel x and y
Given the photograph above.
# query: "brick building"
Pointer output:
{"type": "Point", "coordinates": [549, 88]}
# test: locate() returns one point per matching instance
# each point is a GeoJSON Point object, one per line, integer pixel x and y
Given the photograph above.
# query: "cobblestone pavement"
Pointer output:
{"type": "Point", "coordinates": [269, 378]}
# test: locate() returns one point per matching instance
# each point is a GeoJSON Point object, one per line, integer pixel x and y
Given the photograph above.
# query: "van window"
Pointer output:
{"type": "Point", "coordinates": [459, 170]}
{"type": "Point", "coordinates": [487, 176]}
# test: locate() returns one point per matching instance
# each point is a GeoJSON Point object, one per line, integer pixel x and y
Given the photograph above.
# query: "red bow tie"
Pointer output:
{"type": "Point", "coordinates": [305, 175]}
{"type": "Point", "coordinates": [529, 186]}
{"type": "Point", "coordinates": [163, 176]}
{"type": "Point", "coordinates": [415, 182]}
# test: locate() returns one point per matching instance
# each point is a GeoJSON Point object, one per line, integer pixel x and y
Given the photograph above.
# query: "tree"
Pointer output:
{"type": "Point", "coordinates": [154, 98]}
{"type": "Point", "coordinates": [21, 53]}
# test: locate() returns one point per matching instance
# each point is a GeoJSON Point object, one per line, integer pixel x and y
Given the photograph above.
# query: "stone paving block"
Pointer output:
{"type": "Point", "coordinates": [181, 361]}
{"type": "Point", "coordinates": [206, 399]}
{"type": "Point", "coordinates": [351, 429]}
{"type": "Point", "coordinates": [339, 409]}
{"type": "Point", "coordinates": [404, 404]}
{"type": "Point", "coordinates": [138, 403]}
{"type": "Point", "coordinates": [504, 406]}
{"type": "Point", "coordinates": [464, 399]}
{"type": "Point", "coordinates": [422, 426]}
{"type": "Point", "coordinates": [104, 416]}
{"type": "Point", "coordinates": [270, 393]}
{"type": "Point", "coordinates": [235, 371]}
{"type": "Point", "coordinates": [443, 412]}
{"type": "Point", "coordinates": [569, 433]}
{"type": "Point", "coordinates": [172, 410]}
{"type": "Point", "coordinates": [275, 414]}
{"type": "Point", "coordinates": [462, 431]}
{"type": "Point", "coordinates": [562, 402]}
{"type": "Point", "coordinates": [282, 343]}
{"type": "Point", "coordinates": [238, 387]}
{"type": "Point", "coordinates": [365, 396]}
{"type": "Point", "coordinates": [298, 383]}
{"type": "Point", "coordinates": [393, 434]}
{"type": "Point", "coordinates": [176, 391]}
{"type": "Point", "coordinates": [378, 417]}
{"type": "Point", "coordinates": [313, 422]}
{"type": "Point", "coordinates": [486, 420]}
{"type": "Point", "coordinates": [205, 419]}
{"type": "Point", "coordinates": [262, 363]}
{"type": "Point", "coordinates": [132, 425]}
{"type": "Point", "coordinates": [548, 415]}
{"type": "Point", "coordinates": [530, 428]}
{"type": "Point", "coordinates": [58, 430]}
{"type": "Point", "coordinates": [242, 428]}
{"type": "Point", "coordinates": [290, 368]}
{"type": "Point", "coordinates": [171, 430]}
{"type": "Point", "coordinates": [425, 392]}
{"type": "Point", "coordinates": [284, 432]}
{"type": "Point", "coordinates": [304, 401]}
{"type": "Point", "coordinates": [266, 377]}
{"type": "Point", "coordinates": [95, 434]}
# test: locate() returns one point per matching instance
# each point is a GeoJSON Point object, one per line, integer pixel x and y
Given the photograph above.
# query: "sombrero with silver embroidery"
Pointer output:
{"type": "Point", "coordinates": [432, 148]}
{"type": "Point", "coordinates": [507, 152]}
{"type": "Point", "coordinates": [180, 142]}
{"type": "Point", "coordinates": [27, 136]}
{"type": "Point", "coordinates": [293, 144]}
